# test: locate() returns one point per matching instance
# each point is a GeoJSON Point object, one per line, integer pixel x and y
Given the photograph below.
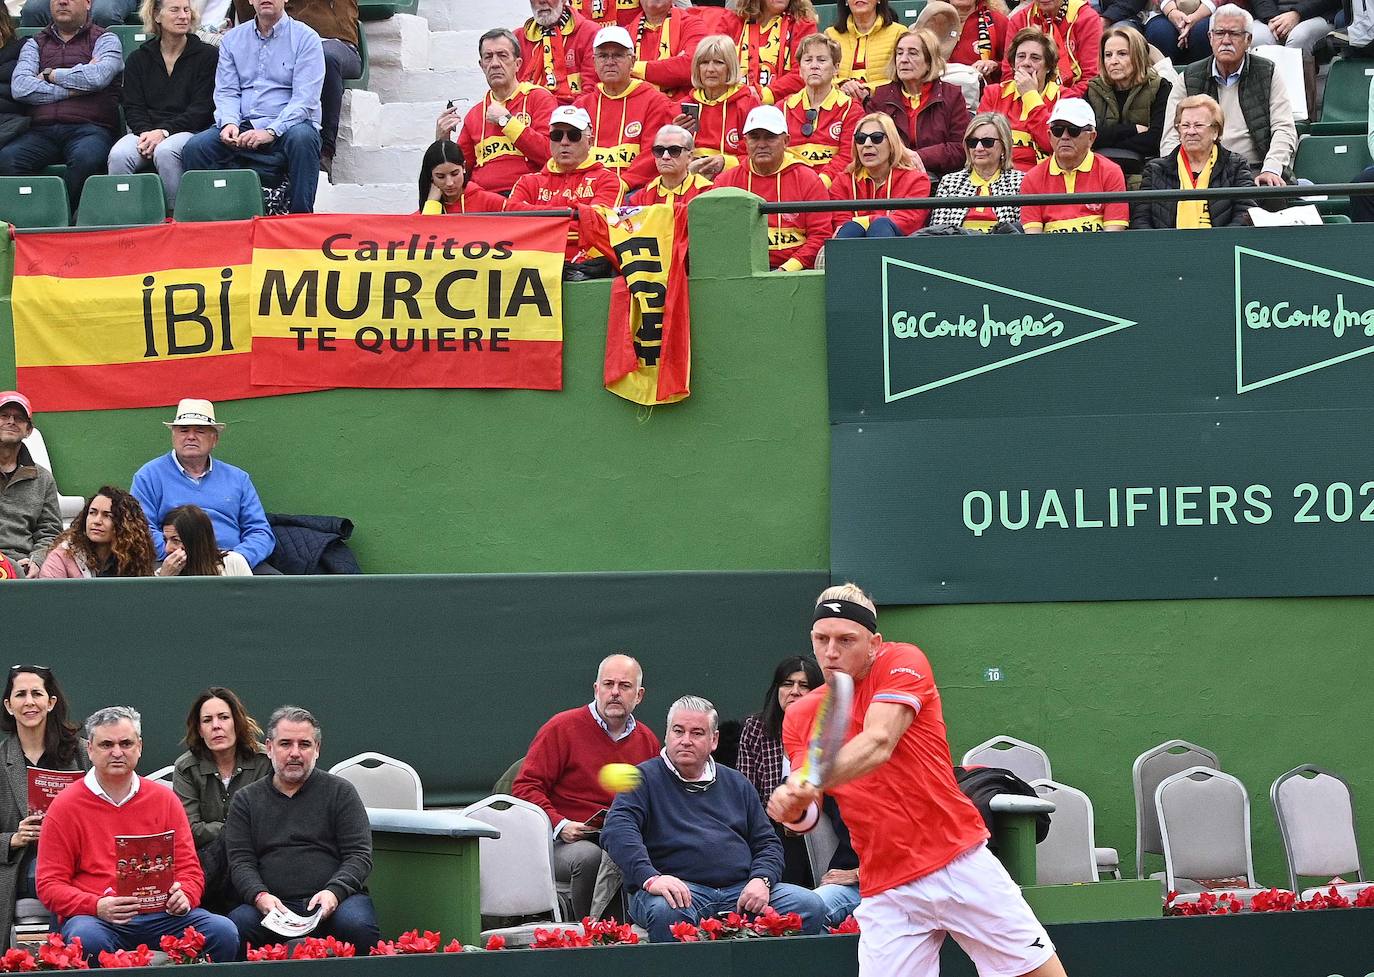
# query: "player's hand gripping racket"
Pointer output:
{"type": "Point", "coordinates": [827, 736]}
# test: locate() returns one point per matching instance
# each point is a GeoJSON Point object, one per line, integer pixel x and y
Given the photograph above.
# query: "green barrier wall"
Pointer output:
{"type": "Point", "coordinates": [734, 478]}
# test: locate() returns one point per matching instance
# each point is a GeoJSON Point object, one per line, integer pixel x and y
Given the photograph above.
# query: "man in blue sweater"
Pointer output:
{"type": "Point", "coordinates": [187, 475]}
{"type": "Point", "coordinates": [692, 840]}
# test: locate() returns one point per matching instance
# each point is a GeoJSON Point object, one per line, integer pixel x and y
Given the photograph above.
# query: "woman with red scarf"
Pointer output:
{"type": "Point", "coordinates": [721, 104]}
{"type": "Point", "coordinates": [1028, 98]}
{"type": "Point", "coordinates": [930, 114]}
{"type": "Point", "coordinates": [767, 34]}
{"type": "Point", "coordinates": [883, 169]}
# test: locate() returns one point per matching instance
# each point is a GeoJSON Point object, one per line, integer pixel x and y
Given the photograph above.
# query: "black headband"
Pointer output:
{"type": "Point", "coordinates": [848, 610]}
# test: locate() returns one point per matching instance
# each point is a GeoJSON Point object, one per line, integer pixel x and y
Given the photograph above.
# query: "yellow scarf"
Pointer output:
{"type": "Point", "coordinates": [1193, 213]}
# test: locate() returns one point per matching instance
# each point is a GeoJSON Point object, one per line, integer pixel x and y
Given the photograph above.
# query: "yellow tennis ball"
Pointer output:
{"type": "Point", "coordinates": [618, 777]}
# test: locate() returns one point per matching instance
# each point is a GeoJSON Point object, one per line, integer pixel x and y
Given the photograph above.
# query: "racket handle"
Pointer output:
{"type": "Point", "coordinates": [809, 819]}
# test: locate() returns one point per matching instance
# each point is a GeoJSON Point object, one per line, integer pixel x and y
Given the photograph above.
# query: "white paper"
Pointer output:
{"type": "Point", "coordinates": [286, 923]}
{"type": "Point", "coordinates": [1289, 216]}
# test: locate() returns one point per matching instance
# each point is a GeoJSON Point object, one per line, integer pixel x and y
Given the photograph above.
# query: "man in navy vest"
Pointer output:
{"type": "Point", "coordinates": [70, 74]}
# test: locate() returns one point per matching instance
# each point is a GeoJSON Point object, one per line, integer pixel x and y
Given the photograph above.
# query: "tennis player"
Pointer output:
{"type": "Point", "coordinates": [924, 866]}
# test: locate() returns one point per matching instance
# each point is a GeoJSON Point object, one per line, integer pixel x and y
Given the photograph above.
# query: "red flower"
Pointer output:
{"type": "Point", "coordinates": [384, 948]}
{"type": "Point", "coordinates": [712, 929]}
{"type": "Point", "coordinates": [1273, 901]}
{"type": "Point", "coordinates": [16, 961]}
{"type": "Point", "coordinates": [1366, 898]}
{"type": "Point", "coordinates": [269, 951]}
{"type": "Point", "coordinates": [771, 924]}
{"type": "Point", "coordinates": [685, 932]}
{"type": "Point", "coordinates": [57, 955]}
{"type": "Point", "coordinates": [187, 948]}
{"type": "Point", "coordinates": [453, 946]}
{"type": "Point", "coordinates": [850, 925]}
{"type": "Point", "coordinates": [141, 957]}
{"type": "Point", "coordinates": [496, 942]}
{"type": "Point", "coordinates": [413, 942]}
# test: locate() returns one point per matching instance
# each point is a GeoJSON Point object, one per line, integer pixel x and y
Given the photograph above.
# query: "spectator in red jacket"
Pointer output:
{"type": "Point", "coordinates": [503, 136]}
{"type": "Point", "coordinates": [444, 187]}
{"type": "Point", "coordinates": [930, 114]}
{"type": "Point", "coordinates": [608, 13]}
{"type": "Point", "coordinates": [983, 40]}
{"type": "Point", "coordinates": [776, 175]}
{"type": "Point", "coordinates": [665, 41]}
{"type": "Point", "coordinates": [1074, 168]}
{"type": "Point", "coordinates": [625, 111]}
{"type": "Point", "coordinates": [556, 48]}
{"type": "Point", "coordinates": [1027, 97]}
{"type": "Point", "coordinates": [1076, 30]}
{"type": "Point", "coordinates": [560, 771]}
{"type": "Point", "coordinates": [883, 169]}
{"type": "Point", "coordinates": [767, 34]}
{"type": "Point", "coordinates": [716, 107]}
{"type": "Point", "coordinates": [675, 183]}
{"type": "Point", "coordinates": [821, 118]}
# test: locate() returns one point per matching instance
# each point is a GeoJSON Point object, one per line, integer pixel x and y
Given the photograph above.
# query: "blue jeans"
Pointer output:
{"type": "Point", "coordinates": [840, 902]}
{"type": "Point", "coordinates": [355, 921]}
{"type": "Point", "coordinates": [38, 13]}
{"type": "Point", "coordinates": [341, 60]}
{"type": "Point", "coordinates": [83, 146]}
{"type": "Point", "coordinates": [296, 151]}
{"type": "Point", "coordinates": [878, 227]}
{"type": "Point", "coordinates": [221, 939]}
{"type": "Point", "coordinates": [1164, 36]}
{"type": "Point", "coordinates": [655, 915]}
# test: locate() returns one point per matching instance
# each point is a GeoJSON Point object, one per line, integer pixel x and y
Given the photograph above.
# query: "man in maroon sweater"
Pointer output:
{"type": "Point", "coordinates": [560, 771]}
{"type": "Point", "coordinates": [76, 860]}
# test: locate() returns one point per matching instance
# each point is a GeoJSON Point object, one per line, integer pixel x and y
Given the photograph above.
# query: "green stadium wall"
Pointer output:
{"type": "Point", "coordinates": [691, 534]}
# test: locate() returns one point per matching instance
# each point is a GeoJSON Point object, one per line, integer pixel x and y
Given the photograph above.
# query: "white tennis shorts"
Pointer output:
{"type": "Point", "coordinates": [974, 900]}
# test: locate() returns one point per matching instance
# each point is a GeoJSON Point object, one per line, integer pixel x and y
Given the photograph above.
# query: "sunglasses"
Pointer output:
{"type": "Point", "coordinates": [809, 126]}
{"type": "Point", "coordinates": [565, 135]}
{"type": "Point", "coordinates": [31, 668]}
{"type": "Point", "coordinates": [673, 151]}
{"type": "Point", "coordinates": [981, 142]}
{"type": "Point", "coordinates": [876, 138]}
{"type": "Point", "coordinates": [1060, 129]}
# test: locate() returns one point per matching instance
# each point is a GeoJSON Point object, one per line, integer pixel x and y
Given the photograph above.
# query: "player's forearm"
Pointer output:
{"type": "Point", "coordinates": [861, 756]}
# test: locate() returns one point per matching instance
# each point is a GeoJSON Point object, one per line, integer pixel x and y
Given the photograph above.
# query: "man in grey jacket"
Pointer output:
{"type": "Point", "coordinates": [29, 516]}
{"type": "Point", "coordinates": [300, 841]}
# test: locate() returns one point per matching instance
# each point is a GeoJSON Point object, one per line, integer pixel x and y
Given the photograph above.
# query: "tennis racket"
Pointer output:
{"type": "Point", "coordinates": [827, 736]}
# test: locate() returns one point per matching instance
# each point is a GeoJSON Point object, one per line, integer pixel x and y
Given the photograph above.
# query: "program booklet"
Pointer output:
{"type": "Point", "coordinates": [145, 867]}
{"type": "Point", "coordinates": [44, 785]}
{"type": "Point", "coordinates": [291, 925]}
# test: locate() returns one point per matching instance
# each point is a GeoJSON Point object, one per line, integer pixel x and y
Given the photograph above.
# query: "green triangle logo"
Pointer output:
{"type": "Point", "coordinates": [941, 328]}
{"type": "Point", "coordinates": [1288, 325]}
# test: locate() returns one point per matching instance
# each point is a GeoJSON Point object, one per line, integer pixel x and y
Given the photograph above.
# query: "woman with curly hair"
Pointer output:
{"type": "Point", "coordinates": [111, 540]}
{"type": "Point", "coordinates": [767, 35]}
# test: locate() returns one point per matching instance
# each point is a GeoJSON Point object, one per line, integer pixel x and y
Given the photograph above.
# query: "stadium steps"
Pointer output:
{"type": "Point", "coordinates": [417, 63]}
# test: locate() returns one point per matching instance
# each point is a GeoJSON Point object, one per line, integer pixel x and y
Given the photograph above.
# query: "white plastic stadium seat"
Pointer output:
{"type": "Point", "coordinates": [69, 505]}
{"type": "Point", "coordinates": [1204, 822]}
{"type": "Point", "coordinates": [516, 869]}
{"type": "Point", "coordinates": [383, 781]}
{"type": "Point", "coordinates": [1067, 854]}
{"type": "Point", "coordinates": [1026, 760]}
{"type": "Point", "coordinates": [1149, 769]}
{"type": "Point", "coordinates": [1317, 821]}
{"type": "Point", "coordinates": [162, 775]}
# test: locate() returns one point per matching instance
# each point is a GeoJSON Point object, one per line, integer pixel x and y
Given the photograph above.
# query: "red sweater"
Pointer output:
{"type": "Point", "coordinates": [561, 61]}
{"type": "Point", "coordinates": [663, 55]}
{"type": "Point", "coordinates": [720, 122]}
{"type": "Point", "coordinates": [550, 188]}
{"type": "Point", "coordinates": [624, 127]}
{"type": "Point", "coordinates": [474, 200]}
{"type": "Point", "coordinates": [604, 13]}
{"type": "Point", "coordinates": [972, 47]}
{"type": "Point", "coordinates": [899, 184]}
{"type": "Point", "coordinates": [769, 56]}
{"type": "Point", "coordinates": [1029, 116]}
{"type": "Point", "coordinates": [1078, 35]}
{"type": "Point", "coordinates": [76, 862]}
{"type": "Point", "coordinates": [498, 157]}
{"type": "Point", "coordinates": [560, 769]}
{"type": "Point", "coordinates": [793, 239]}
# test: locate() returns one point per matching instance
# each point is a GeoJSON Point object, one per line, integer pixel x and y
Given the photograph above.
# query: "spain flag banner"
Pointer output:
{"type": "Point", "coordinates": [649, 329]}
{"type": "Point", "coordinates": [417, 301]}
{"type": "Point", "coordinates": [135, 318]}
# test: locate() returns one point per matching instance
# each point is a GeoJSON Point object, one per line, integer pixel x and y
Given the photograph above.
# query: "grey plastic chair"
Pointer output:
{"type": "Point", "coordinates": [516, 869]}
{"type": "Point", "coordinates": [1204, 822]}
{"type": "Point", "coordinates": [383, 781]}
{"type": "Point", "coordinates": [1068, 853]}
{"type": "Point", "coordinates": [1026, 760]}
{"type": "Point", "coordinates": [1148, 771]}
{"type": "Point", "coordinates": [821, 842]}
{"type": "Point", "coordinates": [1316, 814]}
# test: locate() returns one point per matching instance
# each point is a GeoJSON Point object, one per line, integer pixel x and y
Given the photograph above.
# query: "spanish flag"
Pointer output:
{"type": "Point", "coordinates": [414, 301]}
{"type": "Point", "coordinates": [135, 318]}
{"type": "Point", "coordinates": [649, 330]}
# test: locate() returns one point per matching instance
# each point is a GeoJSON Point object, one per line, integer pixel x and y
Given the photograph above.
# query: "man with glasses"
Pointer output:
{"type": "Point", "coordinates": [572, 177]}
{"type": "Point", "coordinates": [775, 175]}
{"type": "Point", "coordinates": [672, 151]}
{"type": "Point", "coordinates": [1252, 96]}
{"type": "Point", "coordinates": [29, 515]}
{"type": "Point", "coordinates": [556, 48]}
{"type": "Point", "coordinates": [626, 111]}
{"type": "Point", "coordinates": [505, 135]}
{"type": "Point", "coordinates": [1074, 168]}
{"type": "Point", "coordinates": [77, 867]}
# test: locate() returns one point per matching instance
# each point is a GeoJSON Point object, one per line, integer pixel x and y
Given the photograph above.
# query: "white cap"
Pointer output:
{"type": "Point", "coordinates": [571, 115]}
{"type": "Point", "coordinates": [613, 35]}
{"type": "Point", "coordinates": [1074, 111]}
{"type": "Point", "coordinates": [768, 118]}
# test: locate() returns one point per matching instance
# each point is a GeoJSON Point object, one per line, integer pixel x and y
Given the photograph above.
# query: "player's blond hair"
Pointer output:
{"type": "Point", "coordinates": [848, 591]}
